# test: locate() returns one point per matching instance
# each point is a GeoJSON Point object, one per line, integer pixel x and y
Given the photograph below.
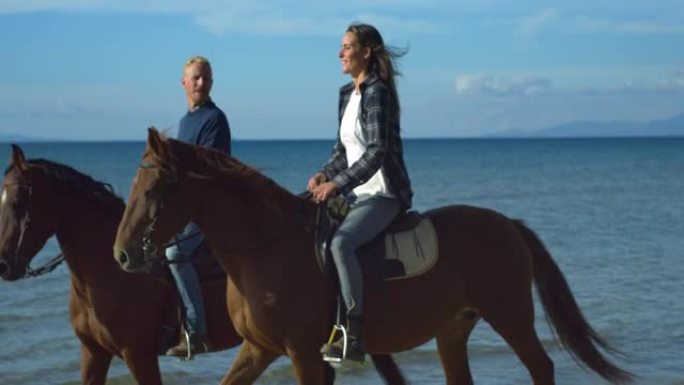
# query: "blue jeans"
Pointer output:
{"type": "Point", "coordinates": [187, 280]}
{"type": "Point", "coordinates": [365, 220]}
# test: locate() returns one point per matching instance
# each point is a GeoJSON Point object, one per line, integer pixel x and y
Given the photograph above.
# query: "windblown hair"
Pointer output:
{"type": "Point", "coordinates": [382, 61]}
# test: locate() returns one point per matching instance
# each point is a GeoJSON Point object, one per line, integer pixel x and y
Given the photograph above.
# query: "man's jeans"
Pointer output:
{"type": "Point", "coordinates": [187, 281]}
{"type": "Point", "coordinates": [365, 220]}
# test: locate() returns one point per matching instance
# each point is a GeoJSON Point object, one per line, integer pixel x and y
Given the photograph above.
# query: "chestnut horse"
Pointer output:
{"type": "Point", "coordinates": [42, 198]}
{"type": "Point", "coordinates": [283, 304]}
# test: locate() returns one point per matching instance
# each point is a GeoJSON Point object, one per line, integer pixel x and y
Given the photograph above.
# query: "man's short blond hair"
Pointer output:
{"type": "Point", "coordinates": [197, 59]}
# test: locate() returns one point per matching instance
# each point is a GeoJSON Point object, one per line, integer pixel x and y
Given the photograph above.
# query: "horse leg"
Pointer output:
{"type": "Point", "coordinates": [144, 366]}
{"type": "Point", "coordinates": [526, 344]}
{"type": "Point", "coordinates": [310, 369]}
{"type": "Point", "coordinates": [514, 321]}
{"type": "Point", "coordinates": [388, 369]}
{"type": "Point", "coordinates": [250, 362]}
{"type": "Point", "coordinates": [452, 342]}
{"type": "Point", "coordinates": [95, 363]}
{"type": "Point", "coordinates": [329, 375]}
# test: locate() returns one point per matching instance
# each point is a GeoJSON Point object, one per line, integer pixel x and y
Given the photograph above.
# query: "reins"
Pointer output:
{"type": "Point", "coordinates": [46, 268]}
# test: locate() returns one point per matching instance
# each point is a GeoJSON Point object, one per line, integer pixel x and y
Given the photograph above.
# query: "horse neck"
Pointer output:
{"type": "Point", "coordinates": [265, 235]}
{"type": "Point", "coordinates": [86, 233]}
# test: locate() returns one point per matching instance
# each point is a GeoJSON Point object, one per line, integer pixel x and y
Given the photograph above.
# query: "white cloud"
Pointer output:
{"type": "Point", "coordinates": [492, 85]}
{"type": "Point", "coordinates": [272, 23]}
{"type": "Point", "coordinates": [678, 76]}
{"type": "Point", "coordinates": [305, 17]}
{"type": "Point", "coordinates": [668, 83]}
{"type": "Point", "coordinates": [584, 24]}
{"type": "Point", "coordinates": [220, 22]}
{"type": "Point", "coordinates": [219, 6]}
{"type": "Point", "coordinates": [674, 81]}
{"type": "Point", "coordinates": [529, 27]}
{"type": "Point", "coordinates": [410, 16]}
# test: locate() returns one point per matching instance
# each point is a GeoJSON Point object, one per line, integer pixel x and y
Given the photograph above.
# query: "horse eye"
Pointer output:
{"type": "Point", "coordinates": [152, 193]}
{"type": "Point", "coordinates": [155, 192]}
{"type": "Point", "coordinates": [21, 199]}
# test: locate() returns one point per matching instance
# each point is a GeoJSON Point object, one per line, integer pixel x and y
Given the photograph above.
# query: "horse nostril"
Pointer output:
{"type": "Point", "coordinates": [122, 258]}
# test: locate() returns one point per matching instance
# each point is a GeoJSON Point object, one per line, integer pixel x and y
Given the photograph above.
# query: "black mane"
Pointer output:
{"type": "Point", "coordinates": [76, 182]}
{"type": "Point", "coordinates": [228, 171]}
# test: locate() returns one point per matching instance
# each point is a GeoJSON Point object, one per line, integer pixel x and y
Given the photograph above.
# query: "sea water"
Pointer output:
{"type": "Point", "coordinates": [611, 212]}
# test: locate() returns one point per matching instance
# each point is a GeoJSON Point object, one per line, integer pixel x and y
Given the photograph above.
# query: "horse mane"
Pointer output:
{"type": "Point", "coordinates": [210, 163]}
{"type": "Point", "coordinates": [76, 182]}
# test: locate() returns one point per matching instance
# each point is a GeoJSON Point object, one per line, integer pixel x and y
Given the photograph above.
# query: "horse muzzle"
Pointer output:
{"type": "Point", "coordinates": [130, 262]}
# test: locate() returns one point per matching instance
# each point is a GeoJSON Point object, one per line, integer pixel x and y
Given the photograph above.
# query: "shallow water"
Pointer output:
{"type": "Point", "coordinates": [609, 210]}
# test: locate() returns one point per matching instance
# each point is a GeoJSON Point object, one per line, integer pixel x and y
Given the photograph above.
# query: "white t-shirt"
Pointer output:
{"type": "Point", "coordinates": [351, 135]}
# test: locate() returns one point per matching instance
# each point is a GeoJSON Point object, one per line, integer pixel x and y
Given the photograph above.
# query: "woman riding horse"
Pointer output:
{"type": "Point", "coordinates": [283, 304]}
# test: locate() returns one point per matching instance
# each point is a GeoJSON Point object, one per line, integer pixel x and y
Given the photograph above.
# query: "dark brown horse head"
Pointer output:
{"type": "Point", "coordinates": [27, 219]}
{"type": "Point", "coordinates": [35, 203]}
{"type": "Point", "coordinates": [154, 211]}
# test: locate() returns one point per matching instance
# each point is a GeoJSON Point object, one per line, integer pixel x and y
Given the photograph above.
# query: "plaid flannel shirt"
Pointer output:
{"type": "Point", "coordinates": [381, 134]}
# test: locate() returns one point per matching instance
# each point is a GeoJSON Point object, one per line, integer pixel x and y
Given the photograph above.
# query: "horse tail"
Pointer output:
{"type": "Point", "coordinates": [571, 328]}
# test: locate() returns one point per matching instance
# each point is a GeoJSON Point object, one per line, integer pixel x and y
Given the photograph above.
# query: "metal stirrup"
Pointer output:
{"type": "Point", "coordinates": [190, 356]}
{"type": "Point", "coordinates": [332, 359]}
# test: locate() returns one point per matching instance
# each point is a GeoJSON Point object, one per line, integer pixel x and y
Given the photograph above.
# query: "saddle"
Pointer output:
{"type": "Point", "coordinates": [406, 248]}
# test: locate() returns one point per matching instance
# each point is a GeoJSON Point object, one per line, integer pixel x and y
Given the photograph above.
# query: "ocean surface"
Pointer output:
{"type": "Point", "coordinates": [611, 212]}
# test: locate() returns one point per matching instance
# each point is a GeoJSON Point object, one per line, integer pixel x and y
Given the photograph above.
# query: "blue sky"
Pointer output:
{"type": "Point", "coordinates": [107, 69]}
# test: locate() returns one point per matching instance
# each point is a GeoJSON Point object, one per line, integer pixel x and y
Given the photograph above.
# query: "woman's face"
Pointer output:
{"type": "Point", "coordinates": [353, 56]}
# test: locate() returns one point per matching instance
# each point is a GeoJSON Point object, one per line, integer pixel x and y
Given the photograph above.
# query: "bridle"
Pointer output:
{"type": "Point", "coordinates": [150, 250]}
{"type": "Point", "coordinates": [25, 222]}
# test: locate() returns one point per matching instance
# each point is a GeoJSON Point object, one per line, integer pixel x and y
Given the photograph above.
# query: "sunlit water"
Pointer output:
{"type": "Point", "coordinates": [611, 211]}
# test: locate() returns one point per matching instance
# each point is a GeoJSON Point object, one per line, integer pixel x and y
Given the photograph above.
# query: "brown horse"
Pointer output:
{"type": "Point", "coordinates": [283, 304]}
{"type": "Point", "coordinates": [42, 198]}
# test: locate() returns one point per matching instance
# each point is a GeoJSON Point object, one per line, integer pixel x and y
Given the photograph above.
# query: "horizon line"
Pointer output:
{"type": "Point", "coordinates": [479, 137]}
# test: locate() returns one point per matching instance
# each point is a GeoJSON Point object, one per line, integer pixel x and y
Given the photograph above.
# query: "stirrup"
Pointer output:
{"type": "Point", "coordinates": [336, 359]}
{"type": "Point", "coordinates": [190, 355]}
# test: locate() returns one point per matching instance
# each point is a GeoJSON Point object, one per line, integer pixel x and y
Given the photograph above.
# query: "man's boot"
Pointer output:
{"type": "Point", "coordinates": [335, 351]}
{"type": "Point", "coordinates": [199, 343]}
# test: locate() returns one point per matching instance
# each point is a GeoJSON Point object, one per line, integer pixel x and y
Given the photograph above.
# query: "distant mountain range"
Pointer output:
{"type": "Point", "coordinates": [12, 138]}
{"type": "Point", "coordinates": [673, 126]}
{"type": "Point", "coordinates": [15, 138]}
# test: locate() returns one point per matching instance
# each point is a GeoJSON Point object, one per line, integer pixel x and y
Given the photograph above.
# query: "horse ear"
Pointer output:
{"type": "Point", "coordinates": [17, 158]}
{"type": "Point", "coordinates": [155, 141]}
